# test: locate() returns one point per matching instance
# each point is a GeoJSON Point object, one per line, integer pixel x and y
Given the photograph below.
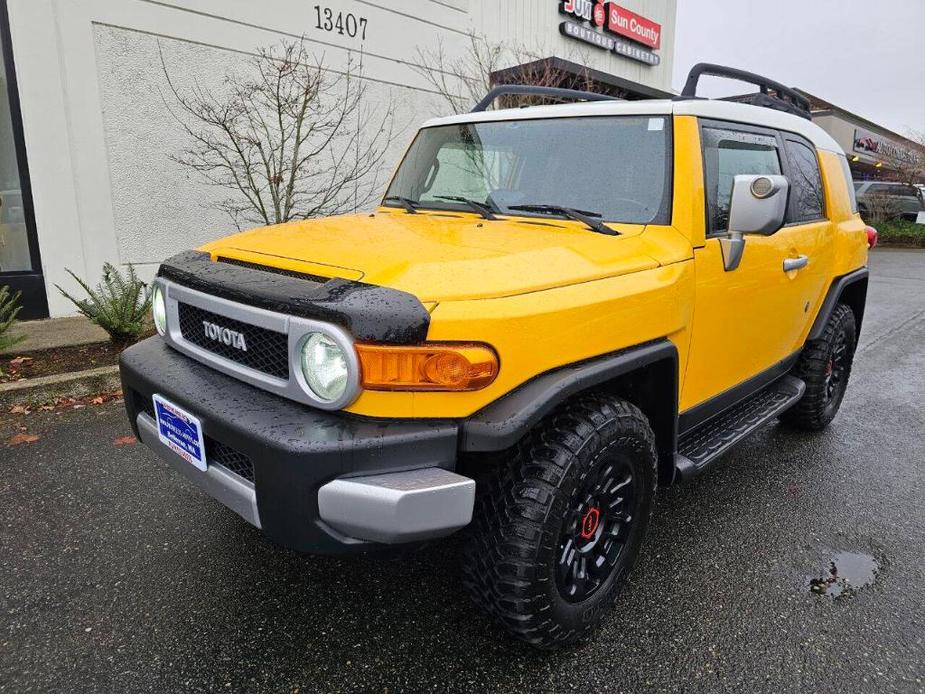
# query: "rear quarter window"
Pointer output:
{"type": "Point", "coordinates": [807, 199]}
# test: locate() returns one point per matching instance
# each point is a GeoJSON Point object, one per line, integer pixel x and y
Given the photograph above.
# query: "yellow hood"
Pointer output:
{"type": "Point", "coordinates": [443, 256]}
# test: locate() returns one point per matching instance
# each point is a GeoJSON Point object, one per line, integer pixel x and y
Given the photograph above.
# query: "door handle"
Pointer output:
{"type": "Point", "coordinates": [791, 264]}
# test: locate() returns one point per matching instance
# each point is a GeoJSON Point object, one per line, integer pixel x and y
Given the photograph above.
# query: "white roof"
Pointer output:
{"type": "Point", "coordinates": [703, 108]}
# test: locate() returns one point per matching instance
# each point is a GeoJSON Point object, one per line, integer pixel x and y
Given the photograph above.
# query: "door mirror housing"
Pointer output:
{"type": "Point", "coordinates": [757, 206]}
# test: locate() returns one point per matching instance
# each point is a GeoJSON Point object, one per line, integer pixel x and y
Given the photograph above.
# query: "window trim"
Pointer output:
{"type": "Point", "coordinates": [734, 126]}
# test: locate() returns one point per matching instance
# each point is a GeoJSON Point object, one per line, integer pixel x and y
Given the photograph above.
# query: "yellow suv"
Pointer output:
{"type": "Point", "coordinates": [555, 310]}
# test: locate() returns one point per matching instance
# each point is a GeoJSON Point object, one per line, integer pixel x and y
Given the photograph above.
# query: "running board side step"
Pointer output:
{"type": "Point", "coordinates": [704, 444]}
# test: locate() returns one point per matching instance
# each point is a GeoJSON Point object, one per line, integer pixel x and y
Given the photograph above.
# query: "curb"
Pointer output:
{"type": "Point", "coordinates": [42, 390]}
{"type": "Point", "coordinates": [900, 245]}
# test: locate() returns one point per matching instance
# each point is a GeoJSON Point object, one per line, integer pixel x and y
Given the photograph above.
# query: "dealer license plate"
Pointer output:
{"type": "Point", "coordinates": [180, 431]}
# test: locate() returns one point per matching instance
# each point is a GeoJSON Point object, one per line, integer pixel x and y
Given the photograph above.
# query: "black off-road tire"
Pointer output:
{"type": "Point", "coordinates": [825, 366]}
{"type": "Point", "coordinates": [529, 509]}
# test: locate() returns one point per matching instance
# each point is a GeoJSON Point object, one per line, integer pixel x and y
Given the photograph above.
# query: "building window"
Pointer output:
{"type": "Point", "coordinates": [20, 266]}
{"type": "Point", "coordinates": [15, 255]}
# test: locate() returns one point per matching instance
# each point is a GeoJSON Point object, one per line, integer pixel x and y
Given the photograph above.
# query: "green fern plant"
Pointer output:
{"type": "Point", "coordinates": [9, 309]}
{"type": "Point", "coordinates": [119, 304]}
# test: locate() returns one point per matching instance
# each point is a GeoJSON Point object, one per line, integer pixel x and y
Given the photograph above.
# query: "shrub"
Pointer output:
{"type": "Point", "coordinates": [119, 305]}
{"type": "Point", "coordinates": [9, 309]}
{"type": "Point", "coordinates": [881, 208]}
{"type": "Point", "coordinates": [901, 233]}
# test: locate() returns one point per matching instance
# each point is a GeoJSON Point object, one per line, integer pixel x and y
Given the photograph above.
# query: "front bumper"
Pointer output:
{"type": "Point", "coordinates": [320, 482]}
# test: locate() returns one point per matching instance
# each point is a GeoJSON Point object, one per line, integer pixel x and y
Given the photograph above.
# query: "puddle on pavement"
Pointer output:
{"type": "Point", "coordinates": [848, 572]}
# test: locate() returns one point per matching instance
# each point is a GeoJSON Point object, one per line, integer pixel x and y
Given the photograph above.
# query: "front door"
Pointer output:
{"type": "Point", "coordinates": [20, 266]}
{"type": "Point", "coordinates": [749, 319]}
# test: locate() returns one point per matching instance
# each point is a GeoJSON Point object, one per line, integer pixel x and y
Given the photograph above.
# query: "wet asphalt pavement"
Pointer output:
{"type": "Point", "coordinates": [118, 576]}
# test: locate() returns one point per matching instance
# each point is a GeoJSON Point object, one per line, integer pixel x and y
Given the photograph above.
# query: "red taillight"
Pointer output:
{"type": "Point", "coordinates": [871, 236]}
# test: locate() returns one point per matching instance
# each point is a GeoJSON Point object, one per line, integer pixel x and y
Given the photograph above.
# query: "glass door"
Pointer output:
{"type": "Point", "coordinates": [20, 266]}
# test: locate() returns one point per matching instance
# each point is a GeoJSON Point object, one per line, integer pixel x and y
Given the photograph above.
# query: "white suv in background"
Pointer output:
{"type": "Point", "coordinates": [901, 199]}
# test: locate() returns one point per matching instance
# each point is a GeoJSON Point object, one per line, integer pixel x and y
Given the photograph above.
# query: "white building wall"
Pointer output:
{"type": "Point", "coordinates": [99, 134]}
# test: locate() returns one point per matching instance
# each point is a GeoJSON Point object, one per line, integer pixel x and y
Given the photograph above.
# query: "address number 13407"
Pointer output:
{"type": "Point", "coordinates": [340, 22]}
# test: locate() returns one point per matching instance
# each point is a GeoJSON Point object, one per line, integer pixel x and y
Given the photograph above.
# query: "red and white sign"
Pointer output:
{"type": "Point", "coordinates": [633, 26]}
{"type": "Point", "coordinates": [624, 32]}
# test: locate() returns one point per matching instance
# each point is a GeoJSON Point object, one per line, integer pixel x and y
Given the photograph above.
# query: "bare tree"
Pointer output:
{"type": "Point", "coordinates": [908, 163]}
{"type": "Point", "coordinates": [290, 138]}
{"type": "Point", "coordinates": [879, 208]}
{"type": "Point", "coordinates": [462, 81]}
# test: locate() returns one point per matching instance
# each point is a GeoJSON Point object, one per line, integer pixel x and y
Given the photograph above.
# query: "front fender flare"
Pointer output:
{"type": "Point", "coordinates": [505, 421]}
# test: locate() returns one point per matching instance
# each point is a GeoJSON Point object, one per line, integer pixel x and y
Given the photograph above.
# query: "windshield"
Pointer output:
{"type": "Point", "coordinates": [615, 167]}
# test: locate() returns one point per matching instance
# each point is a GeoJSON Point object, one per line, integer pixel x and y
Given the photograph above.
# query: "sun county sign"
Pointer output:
{"type": "Point", "coordinates": [617, 23]}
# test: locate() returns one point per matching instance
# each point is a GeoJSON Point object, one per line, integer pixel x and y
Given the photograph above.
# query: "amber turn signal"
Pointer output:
{"type": "Point", "coordinates": [431, 366]}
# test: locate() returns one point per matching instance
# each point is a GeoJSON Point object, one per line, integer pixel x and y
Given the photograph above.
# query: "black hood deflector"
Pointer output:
{"type": "Point", "coordinates": [368, 312]}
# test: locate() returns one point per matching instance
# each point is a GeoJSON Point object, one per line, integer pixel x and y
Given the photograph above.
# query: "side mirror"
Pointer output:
{"type": "Point", "coordinates": [757, 206]}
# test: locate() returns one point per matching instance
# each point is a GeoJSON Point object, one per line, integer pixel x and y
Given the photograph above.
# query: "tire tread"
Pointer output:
{"type": "Point", "coordinates": [809, 414]}
{"type": "Point", "coordinates": [513, 512]}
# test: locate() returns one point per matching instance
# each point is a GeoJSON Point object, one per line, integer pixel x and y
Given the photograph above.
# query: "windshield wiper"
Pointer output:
{"type": "Point", "coordinates": [475, 205]}
{"type": "Point", "coordinates": [409, 204]}
{"type": "Point", "coordinates": [583, 216]}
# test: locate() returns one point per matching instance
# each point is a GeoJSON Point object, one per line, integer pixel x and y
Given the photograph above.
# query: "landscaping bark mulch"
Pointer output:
{"type": "Point", "coordinates": [49, 362]}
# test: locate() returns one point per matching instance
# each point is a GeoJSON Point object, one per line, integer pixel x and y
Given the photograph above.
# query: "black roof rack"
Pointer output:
{"type": "Point", "coordinates": [549, 92]}
{"type": "Point", "coordinates": [784, 98]}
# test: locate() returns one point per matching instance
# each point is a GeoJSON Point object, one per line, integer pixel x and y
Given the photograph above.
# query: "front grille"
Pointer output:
{"type": "Point", "coordinates": [143, 404]}
{"type": "Point", "coordinates": [274, 270]}
{"type": "Point", "coordinates": [267, 350]}
{"type": "Point", "coordinates": [217, 453]}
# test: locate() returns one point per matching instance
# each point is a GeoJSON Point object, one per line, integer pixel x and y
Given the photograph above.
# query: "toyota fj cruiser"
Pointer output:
{"type": "Point", "coordinates": [572, 304]}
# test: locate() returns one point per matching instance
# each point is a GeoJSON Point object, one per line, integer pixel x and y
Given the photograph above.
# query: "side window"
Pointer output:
{"type": "Point", "coordinates": [807, 199]}
{"type": "Point", "coordinates": [727, 153]}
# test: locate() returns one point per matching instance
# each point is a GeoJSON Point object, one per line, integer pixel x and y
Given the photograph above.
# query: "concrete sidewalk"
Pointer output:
{"type": "Point", "coordinates": [55, 332]}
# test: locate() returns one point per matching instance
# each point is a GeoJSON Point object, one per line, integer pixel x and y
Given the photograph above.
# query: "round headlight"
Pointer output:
{"type": "Point", "coordinates": [159, 310]}
{"type": "Point", "coordinates": [325, 367]}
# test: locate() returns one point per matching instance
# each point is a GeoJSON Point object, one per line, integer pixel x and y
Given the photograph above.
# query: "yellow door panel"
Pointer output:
{"type": "Point", "coordinates": [748, 319]}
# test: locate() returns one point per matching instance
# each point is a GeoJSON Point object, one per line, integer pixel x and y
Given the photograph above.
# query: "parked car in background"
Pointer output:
{"type": "Point", "coordinates": [884, 199]}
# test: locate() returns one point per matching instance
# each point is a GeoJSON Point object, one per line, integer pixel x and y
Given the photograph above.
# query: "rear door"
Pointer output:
{"type": "Point", "coordinates": [808, 234]}
{"type": "Point", "coordinates": [749, 319]}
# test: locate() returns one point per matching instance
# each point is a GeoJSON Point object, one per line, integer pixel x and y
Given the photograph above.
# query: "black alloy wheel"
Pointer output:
{"type": "Point", "coordinates": [596, 529]}
{"type": "Point", "coordinates": [825, 367]}
{"type": "Point", "coordinates": [836, 370]}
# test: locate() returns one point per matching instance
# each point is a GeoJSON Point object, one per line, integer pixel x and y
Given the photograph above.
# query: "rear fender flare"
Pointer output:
{"type": "Point", "coordinates": [850, 289]}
